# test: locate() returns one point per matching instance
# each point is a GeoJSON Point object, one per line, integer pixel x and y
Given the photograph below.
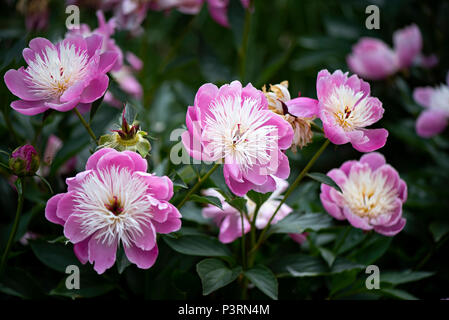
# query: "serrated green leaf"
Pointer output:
{"type": "Point", "coordinates": [322, 178]}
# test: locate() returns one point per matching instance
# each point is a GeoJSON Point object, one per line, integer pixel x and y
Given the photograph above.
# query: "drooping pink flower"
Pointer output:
{"type": "Point", "coordinates": [372, 195]}
{"type": "Point", "coordinates": [61, 77]}
{"type": "Point", "coordinates": [229, 220]}
{"type": "Point", "coordinates": [372, 59]}
{"type": "Point", "coordinates": [436, 101]}
{"type": "Point", "coordinates": [115, 201]}
{"type": "Point", "coordinates": [234, 125]}
{"type": "Point", "coordinates": [346, 109]}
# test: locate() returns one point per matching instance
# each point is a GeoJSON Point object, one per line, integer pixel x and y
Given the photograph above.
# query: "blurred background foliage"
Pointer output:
{"type": "Point", "coordinates": [288, 40]}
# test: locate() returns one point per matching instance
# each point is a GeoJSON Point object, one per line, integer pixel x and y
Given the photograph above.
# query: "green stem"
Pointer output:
{"type": "Point", "coordinates": [243, 242]}
{"type": "Point", "coordinates": [197, 185]}
{"type": "Point", "coordinates": [289, 191]}
{"type": "Point", "coordinates": [86, 125]}
{"type": "Point", "coordinates": [15, 225]}
{"type": "Point", "coordinates": [244, 47]}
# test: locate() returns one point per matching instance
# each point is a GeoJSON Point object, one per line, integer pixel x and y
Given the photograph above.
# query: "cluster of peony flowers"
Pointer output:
{"type": "Point", "coordinates": [373, 59]}
{"type": "Point", "coordinates": [115, 202]}
{"type": "Point", "coordinates": [129, 14]}
{"type": "Point", "coordinates": [229, 219]}
{"type": "Point", "coordinates": [436, 101]}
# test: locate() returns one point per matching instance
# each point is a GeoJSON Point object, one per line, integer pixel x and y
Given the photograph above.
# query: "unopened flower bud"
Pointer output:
{"type": "Point", "coordinates": [24, 161]}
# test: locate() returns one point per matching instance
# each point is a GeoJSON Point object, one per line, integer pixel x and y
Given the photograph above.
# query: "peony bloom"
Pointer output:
{"type": "Point", "coordinates": [61, 77]}
{"type": "Point", "coordinates": [115, 202]}
{"type": "Point", "coordinates": [346, 109]}
{"type": "Point", "coordinates": [24, 161]}
{"type": "Point", "coordinates": [372, 195]}
{"type": "Point", "coordinates": [218, 10]}
{"type": "Point", "coordinates": [299, 112]}
{"type": "Point", "coordinates": [229, 219]}
{"type": "Point", "coordinates": [434, 120]}
{"type": "Point", "coordinates": [234, 124]}
{"type": "Point", "coordinates": [372, 59]}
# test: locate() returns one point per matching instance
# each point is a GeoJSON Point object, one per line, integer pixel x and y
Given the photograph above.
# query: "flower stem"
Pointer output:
{"type": "Point", "coordinates": [197, 185]}
{"type": "Point", "coordinates": [15, 225]}
{"type": "Point", "coordinates": [86, 125]}
{"type": "Point", "coordinates": [289, 191]}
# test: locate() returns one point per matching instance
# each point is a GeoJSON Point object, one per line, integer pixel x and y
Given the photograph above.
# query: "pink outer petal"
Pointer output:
{"type": "Point", "coordinates": [92, 162]}
{"type": "Point", "coordinates": [102, 254]}
{"type": "Point", "coordinates": [268, 186]}
{"type": "Point", "coordinates": [283, 170]}
{"type": "Point", "coordinates": [51, 207]}
{"type": "Point", "coordinates": [143, 259]}
{"type": "Point", "coordinates": [431, 122]}
{"type": "Point", "coordinates": [29, 108]}
{"type": "Point", "coordinates": [249, 92]}
{"type": "Point", "coordinates": [206, 93]}
{"type": "Point", "coordinates": [347, 165]}
{"type": "Point", "coordinates": [298, 237]}
{"type": "Point", "coordinates": [73, 92]}
{"type": "Point", "coordinates": [117, 159]}
{"type": "Point", "coordinates": [356, 221]}
{"type": "Point", "coordinates": [219, 14]}
{"type": "Point", "coordinates": [75, 182]}
{"type": "Point", "coordinates": [374, 160]}
{"type": "Point", "coordinates": [334, 210]}
{"type": "Point", "coordinates": [66, 206]}
{"type": "Point", "coordinates": [63, 107]}
{"type": "Point", "coordinates": [172, 224]}
{"type": "Point", "coordinates": [284, 130]}
{"type": "Point", "coordinates": [376, 139]}
{"type": "Point", "coordinates": [93, 44]}
{"type": "Point", "coordinates": [73, 229]}
{"type": "Point", "coordinates": [402, 191]}
{"type": "Point", "coordinates": [423, 96]}
{"type": "Point", "coordinates": [15, 81]}
{"type": "Point", "coordinates": [237, 187]}
{"type": "Point", "coordinates": [147, 239]}
{"type": "Point", "coordinates": [38, 45]}
{"type": "Point", "coordinates": [407, 44]}
{"type": "Point", "coordinates": [332, 130]}
{"type": "Point", "coordinates": [134, 61]}
{"type": "Point", "coordinates": [107, 61]}
{"type": "Point", "coordinates": [140, 164]}
{"type": "Point", "coordinates": [393, 230]}
{"type": "Point", "coordinates": [95, 90]}
{"type": "Point", "coordinates": [391, 175]}
{"type": "Point", "coordinates": [159, 187]}
{"type": "Point", "coordinates": [231, 228]}
{"type": "Point", "coordinates": [303, 107]}
{"type": "Point", "coordinates": [81, 250]}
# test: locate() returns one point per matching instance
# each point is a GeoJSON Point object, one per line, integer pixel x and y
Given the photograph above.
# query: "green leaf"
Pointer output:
{"type": "Point", "coordinates": [198, 246]}
{"type": "Point", "coordinates": [91, 285]}
{"type": "Point", "coordinates": [191, 212]}
{"type": "Point", "coordinates": [19, 283]}
{"type": "Point", "coordinates": [296, 223]}
{"type": "Point", "coordinates": [238, 203]}
{"type": "Point", "coordinates": [322, 178]}
{"type": "Point", "coordinates": [399, 294]}
{"type": "Point", "coordinates": [214, 274]}
{"type": "Point", "coordinates": [54, 255]}
{"type": "Point", "coordinates": [122, 261]}
{"type": "Point", "coordinates": [18, 184]}
{"type": "Point", "coordinates": [258, 198]}
{"type": "Point", "coordinates": [399, 277]}
{"type": "Point", "coordinates": [327, 255]}
{"type": "Point", "coordinates": [438, 229]}
{"type": "Point", "coordinates": [264, 279]}
{"type": "Point", "coordinates": [372, 249]}
{"type": "Point", "coordinates": [207, 200]}
{"type": "Point", "coordinates": [94, 108]}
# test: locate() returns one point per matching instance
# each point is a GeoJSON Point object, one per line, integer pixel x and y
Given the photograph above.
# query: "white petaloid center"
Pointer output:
{"type": "Point", "coordinates": [113, 204]}
{"type": "Point", "coordinates": [368, 194]}
{"type": "Point", "coordinates": [237, 131]}
{"type": "Point", "coordinates": [440, 98]}
{"type": "Point", "coordinates": [52, 72]}
{"type": "Point", "coordinates": [350, 109]}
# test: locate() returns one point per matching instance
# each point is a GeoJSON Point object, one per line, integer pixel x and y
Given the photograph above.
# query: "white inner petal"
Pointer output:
{"type": "Point", "coordinates": [236, 130]}
{"type": "Point", "coordinates": [51, 73]}
{"type": "Point", "coordinates": [113, 186]}
{"type": "Point", "coordinates": [368, 194]}
{"type": "Point", "coordinates": [350, 109]}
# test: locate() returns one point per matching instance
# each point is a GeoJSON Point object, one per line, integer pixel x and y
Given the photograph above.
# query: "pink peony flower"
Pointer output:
{"type": "Point", "coordinates": [234, 124]}
{"type": "Point", "coordinates": [346, 109]}
{"type": "Point", "coordinates": [229, 220]}
{"type": "Point", "coordinates": [61, 77]}
{"type": "Point", "coordinates": [372, 197]}
{"type": "Point", "coordinates": [435, 118]}
{"type": "Point", "coordinates": [115, 201]}
{"type": "Point", "coordinates": [372, 59]}
{"type": "Point", "coordinates": [218, 10]}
